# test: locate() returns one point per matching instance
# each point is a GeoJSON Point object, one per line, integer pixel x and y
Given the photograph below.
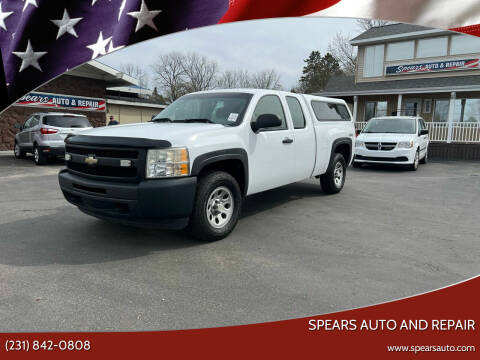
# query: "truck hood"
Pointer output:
{"type": "Point", "coordinates": [381, 137]}
{"type": "Point", "coordinates": [175, 133]}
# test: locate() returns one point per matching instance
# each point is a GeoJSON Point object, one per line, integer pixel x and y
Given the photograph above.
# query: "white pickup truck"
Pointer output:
{"type": "Point", "coordinates": [194, 163]}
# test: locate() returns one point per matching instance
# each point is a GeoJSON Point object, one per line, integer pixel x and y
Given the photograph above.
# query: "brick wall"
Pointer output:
{"type": "Point", "coordinates": [454, 151]}
{"type": "Point", "coordinates": [65, 84]}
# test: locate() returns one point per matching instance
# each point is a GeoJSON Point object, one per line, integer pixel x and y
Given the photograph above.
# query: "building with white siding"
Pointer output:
{"type": "Point", "coordinates": [413, 70]}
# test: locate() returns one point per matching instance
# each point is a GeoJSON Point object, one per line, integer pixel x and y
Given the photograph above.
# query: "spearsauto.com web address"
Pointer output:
{"type": "Point", "coordinates": [431, 348]}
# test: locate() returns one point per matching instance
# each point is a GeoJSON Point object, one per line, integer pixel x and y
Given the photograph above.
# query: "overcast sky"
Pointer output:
{"type": "Point", "coordinates": [281, 44]}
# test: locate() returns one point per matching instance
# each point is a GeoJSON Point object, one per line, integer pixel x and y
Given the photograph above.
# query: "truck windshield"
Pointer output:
{"type": "Point", "coordinates": [217, 108]}
{"type": "Point", "coordinates": [65, 121]}
{"type": "Point", "coordinates": [391, 126]}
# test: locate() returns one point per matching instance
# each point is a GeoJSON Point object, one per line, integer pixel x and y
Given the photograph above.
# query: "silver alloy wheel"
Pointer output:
{"type": "Point", "coordinates": [219, 208]}
{"type": "Point", "coordinates": [16, 149]}
{"type": "Point", "coordinates": [417, 160]}
{"type": "Point", "coordinates": [338, 174]}
{"type": "Point", "coordinates": [36, 155]}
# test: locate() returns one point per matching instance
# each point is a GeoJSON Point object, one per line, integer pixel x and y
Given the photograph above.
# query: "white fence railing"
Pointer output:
{"type": "Point", "coordinates": [460, 132]}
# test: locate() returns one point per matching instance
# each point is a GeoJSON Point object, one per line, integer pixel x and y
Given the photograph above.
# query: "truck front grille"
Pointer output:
{"type": "Point", "coordinates": [111, 153]}
{"type": "Point", "coordinates": [105, 163]}
{"type": "Point", "coordinates": [383, 146]}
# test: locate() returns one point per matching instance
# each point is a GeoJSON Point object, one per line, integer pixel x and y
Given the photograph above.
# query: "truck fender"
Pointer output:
{"type": "Point", "coordinates": [203, 160]}
{"type": "Point", "coordinates": [337, 142]}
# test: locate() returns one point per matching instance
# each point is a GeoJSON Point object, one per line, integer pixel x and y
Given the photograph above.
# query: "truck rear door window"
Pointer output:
{"type": "Point", "coordinates": [296, 111]}
{"type": "Point", "coordinates": [66, 121]}
{"type": "Point", "coordinates": [330, 112]}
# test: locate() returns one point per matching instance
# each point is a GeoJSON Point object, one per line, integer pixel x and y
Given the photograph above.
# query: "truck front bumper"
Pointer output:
{"type": "Point", "coordinates": [162, 203]}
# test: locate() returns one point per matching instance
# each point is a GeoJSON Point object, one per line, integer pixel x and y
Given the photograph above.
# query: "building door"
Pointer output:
{"type": "Point", "coordinates": [412, 107]}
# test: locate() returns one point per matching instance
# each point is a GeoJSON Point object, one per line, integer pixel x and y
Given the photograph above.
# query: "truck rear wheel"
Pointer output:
{"type": "Point", "coordinates": [333, 180]}
{"type": "Point", "coordinates": [217, 206]}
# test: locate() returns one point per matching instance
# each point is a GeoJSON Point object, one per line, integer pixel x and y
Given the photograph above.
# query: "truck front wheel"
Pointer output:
{"type": "Point", "coordinates": [217, 206]}
{"type": "Point", "coordinates": [333, 180]}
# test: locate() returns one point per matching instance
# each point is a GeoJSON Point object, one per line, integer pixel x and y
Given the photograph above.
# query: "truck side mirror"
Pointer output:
{"type": "Point", "coordinates": [423, 132]}
{"type": "Point", "coordinates": [18, 126]}
{"type": "Point", "coordinates": [265, 121]}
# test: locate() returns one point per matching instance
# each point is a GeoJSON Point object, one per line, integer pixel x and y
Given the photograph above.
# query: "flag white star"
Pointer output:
{"type": "Point", "coordinates": [111, 48]}
{"type": "Point", "coordinates": [94, 1]}
{"type": "Point", "coordinates": [3, 16]}
{"type": "Point", "coordinates": [145, 17]}
{"type": "Point", "coordinates": [122, 7]}
{"type": "Point", "coordinates": [29, 2]}
{"type": "Point", "coordinates": [29, 57]}
{"type": "Point", "coordinates": [66, 25]}
{"type": "Point", "coordinates": [99, 47]}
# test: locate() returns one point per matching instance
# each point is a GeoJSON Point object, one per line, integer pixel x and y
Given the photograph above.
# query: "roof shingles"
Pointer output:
{"type": "Point", "coordinates": [389, 30]}
{"type": "Point", "coordinates": [346, 84]}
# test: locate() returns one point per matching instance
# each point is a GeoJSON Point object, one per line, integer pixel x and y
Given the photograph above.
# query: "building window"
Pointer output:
{"type": "Point", "coordinates": [432, 47]}
{"type": "Point", "coordinates": [464, 44]}
{"type": "Point", "coordinates": [373, 62]}
{"type": "Point", "coordinates": [403, 50]}
{"type": "Point", "coordinates": [427, 106]}
{"type": "Point", "coordinates": [441, 110]}
{"type": "Point", "coordinates": [375, 109]}
{"type": "Point", "coordinates": [467, 110]}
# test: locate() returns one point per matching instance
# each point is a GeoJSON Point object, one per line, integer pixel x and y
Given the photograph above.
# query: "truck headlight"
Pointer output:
{"type": "Point", "coordinates": [167, 163]}
{"type": "Point", "coordinates": [405, 145]}
{"type": "Point", "coordinates": [359, 143]}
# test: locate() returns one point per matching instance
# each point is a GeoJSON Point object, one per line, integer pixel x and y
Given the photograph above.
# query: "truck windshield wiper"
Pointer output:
{"type": "Point", "coordinates": [162, 120]}
{"type": "Point", "coordinates": [197, 120]}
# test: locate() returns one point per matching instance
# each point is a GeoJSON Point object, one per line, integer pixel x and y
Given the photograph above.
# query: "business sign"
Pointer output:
{"type": "Point", "coordinates": [56, 101]}
{"type": "Point", "coordinates": [433, 67]}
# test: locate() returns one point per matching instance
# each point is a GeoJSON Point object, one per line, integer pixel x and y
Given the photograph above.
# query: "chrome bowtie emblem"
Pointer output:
{"type": "Point", "coordinates": [91, 160]}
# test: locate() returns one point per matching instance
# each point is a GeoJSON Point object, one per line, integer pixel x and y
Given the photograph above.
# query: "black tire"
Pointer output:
{"type": "Point", "coordinates": [357, 165]}
{"type": "Point", "coordinates": [425, 158]}
{"type": "Point", "coordinates": [200, 225]}
{"type": "Point", "coordinates": [416, 161]}
{"type": "Point", "coordinates": [38, 156]}
{"type": "Point", "coordinates": [18, 152]}
{"type": "Point", "coordinates": [331, 183]}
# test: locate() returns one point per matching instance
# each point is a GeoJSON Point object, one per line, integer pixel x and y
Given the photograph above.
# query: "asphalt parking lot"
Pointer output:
{"type": "Point", "coordinates": [295, 252]}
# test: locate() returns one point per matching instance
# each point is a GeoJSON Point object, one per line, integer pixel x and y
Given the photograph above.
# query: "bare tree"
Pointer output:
{"type": "Point", "coordinates": [200, 73]}
{"type": "Point", "coordinates": [244, 79]}
{"type": "Point", "coordinates": [233, 79]}
{"type": "Point", "coordinates": [169, 74]}
{"type": "Point", "coordinates": [345, 53]}
{"type": "Point", "coordinates": [366, 24]}
{"type": "Point", "coordinates": [266, 79]}
{"type": "Point", "coordinates": [136, 72]}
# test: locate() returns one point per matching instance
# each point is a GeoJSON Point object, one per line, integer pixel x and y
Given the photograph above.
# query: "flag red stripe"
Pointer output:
{"type": "Point", "coordinates": [248, 9]}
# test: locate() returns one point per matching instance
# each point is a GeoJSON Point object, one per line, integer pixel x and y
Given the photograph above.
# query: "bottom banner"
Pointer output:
{"type": "Point", "coordinates": [438, 325]}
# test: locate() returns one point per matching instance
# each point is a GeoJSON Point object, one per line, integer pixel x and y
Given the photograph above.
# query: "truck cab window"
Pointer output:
{"type": "Point", "coordinates": [270, 104]}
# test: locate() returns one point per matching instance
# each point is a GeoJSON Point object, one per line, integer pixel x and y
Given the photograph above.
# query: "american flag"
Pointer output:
{"type": "Point", "coordinates": [41, 39]}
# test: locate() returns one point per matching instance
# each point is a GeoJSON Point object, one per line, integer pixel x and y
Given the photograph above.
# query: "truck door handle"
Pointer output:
{"type": "Point", "coordinates": [287, 141]}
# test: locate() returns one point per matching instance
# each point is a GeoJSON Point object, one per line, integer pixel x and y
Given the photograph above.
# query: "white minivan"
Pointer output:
{"type": "Point", "coordinates": [399, 140]}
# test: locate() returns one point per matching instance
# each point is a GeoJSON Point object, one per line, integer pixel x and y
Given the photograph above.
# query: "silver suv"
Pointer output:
{"type": "Point", "coordinates": [43, 134]}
